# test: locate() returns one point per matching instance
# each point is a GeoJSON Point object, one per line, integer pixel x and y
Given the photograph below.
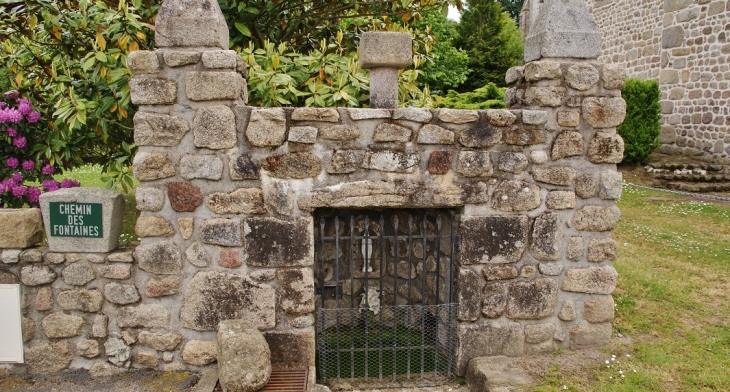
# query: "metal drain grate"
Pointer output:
{"type": "Point", "coordinates": [282, 381]}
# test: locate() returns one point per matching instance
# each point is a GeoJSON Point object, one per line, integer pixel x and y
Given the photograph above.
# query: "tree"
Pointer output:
{"type": "Point", "coordinates": [513, 7]}
{"type": "Point", "coordinates": [492, 42]}
{"type": "Point", "coordinates": [69, 57]}
{"type": "Point", "coordinates": [447, 67]}
{"type": "Point", "coordinates": [641, 128]}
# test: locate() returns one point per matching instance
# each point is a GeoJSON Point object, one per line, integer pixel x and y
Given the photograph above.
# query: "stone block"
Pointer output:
{"type": "Point", "coordinates": [567, 312]}
{"type": "Point", "coordinates": [481, 340]}
{"type": "Point", "coordinates": [434, 134]}
{"type": "Point", "coordinates": [152, 91]}
{"type": "Point", "coordinates": [88, 348]}
{"type": "Point", "coordinates": [80, 299]}
{"type": "Point", "coordinates": [611, 185]}
{"type": "Point", "coordinates": [149, 199]}
{"type": "Point", "coordinates": [500, 272]}
{"type": "Point", "coordinates": [542, 70]}
{"type": "Point", "coordinates": [48, 358]}
{"type": "Point", "coordinates": [568, 119]}
{"type": "Point", "coordinates": [161, 258]}
{"type": "Point", "coordinates": [588, 336]}
{"type": "Point", "coordinates": [229, 259]}
{"type": "Point", "coordinates": [516, 196]}
{"type": "Point", "coordinates": [187, 225]}
{"type": "Point", "coordinates": [147, 358]}
{"type": "Point", "coordinates": [242, 167]}
{"type": "Point", "coordinates": [143, 62]}
{"type": "Point", "coordinates": [160, 341]}
{"type": "Point", "coordinates": [599, 310]}
{"type": "Point", "coordinates": [592, 280]}
{"type": "Point", "coordinates": [345, 161]}
{"type": "Point", "coordinates": [304, 135]}
{"type": "Point", "coordinates": [150, 166]}
{"type": "Point", "coordinates": [30, 256]}
{"type": "Point", "coordinates": [153, 226]}
{"type": "Point", "coordinates": [524, 137]}
{"type": "Point", "coordinates": [439, 162]}
{"type": "Point", "coordinates": [291, 349]}
{"type": "Point", "coordinates": [600, 250]}
{"type": "Point", "coordinates": [206, 167]}
{"type": "Point", "coordinates": [391, 161]}
{"type": "Point", "coordinates": [606, 148]}
{"type": "Point", "coordinates": [567, 144]}
{"type": "Point", "coordinates": [493, 239]}
{"type": "Point", "coordinates": [550, 269]}
{"type": "Point", "coordinates": [538, 156]}
{"type": "Point", "coordinates": [36, 275]}
{"type": "Point", "coordinates": [514, 75]}
{"type": "Point", "coordinates": [184, 197]}
{"type": "Point", "coordinates": [547, 237]}
{"type": "Point", "coordinates": [468, 288]}
{"type": "Point", "coordinates": [386, 50]}
{"type": "Point", "coordinates": [220, 59]}
{"type": "Point", "coordinates": [586, 186]}
{"type": "Point", "coordinates": [614, 77]}
{"type": "Point", "coordinates": [214, 127]}
{"type": "Point", "coordinates": [575, 251]}
{"type": "Point", "coordinates": [160, 130]}
{"type": "Point", "coordinates": [78, 274]}
{"type": "Point", "coordinates": [480, 137]}
{"type": "Point", "coordinates": [458, 116]}
{"type": "Point", "coordinates": [265, 247]}
{"type": "Point", "coordinates": [387, 132]}
{"type": "Point", "coordinates": [156, 288]}
{"type": "Point", "coordinates": [496, 374]}
{"type": "Point", "coordinates": [560, 200]}
{"type": "Point", "coordinates": [197, 255]}
{"type": "Point", "coordinates": [121, 294]}
{"type": "Point", "coordinates": [563, 29]}
{"type": "Point", "coordinates": [596, 218]}
{"type": "Point", "coordinates": [60, 325]}
{"type": "Point", "coordinates": [538, 333]}
{"type": "Point", "coordinates": [340, 132]}
{"type": "Point", "coordinates": [500, 117]}
{"type": "Point", "coordinates": [673, 37]}
{"type": "Point", "coordinates": [384, 88]}
{"type": "Point", "coordinates": [474, 164]}
{"type": "Point", "coordinates": [103, 231]}
{"type": "Point", "coordinates": [534, 117]}
{"type": "Point", "coordinates": [564, 176]}
{"type": "Point", "coordinates": [20, 228]}
{"type": "Point", "coordinates": [413, 114]}
{"type": "Point", "coordinates": [115, 271]}
{"type": "Point", "coordinates": [604, 112]}
{"type": "Point", "coordinates": [146, 315]}
{"type": "Point", "coordinates": [316, 114]}
{"type": "Point", "coordinates": [357, 114]}
{"type": "Point", "coordinates": [118, 352]}
{"type": "Point", "coordinates": [581, 76]}
{"type": "Point", "coordinates": [241, 201]}
{"type": "Point", "coordinates": [532, 300]}
{"type": "Point", "coordinates": [266, 127]}
{"type": "Point", "coordinates": [225, 232]}
{"type": "Point", "coordinates": [512, 162]}
{"type": "Point", "coordinates": [174, 58]}
{"type": "Point", "coordinates": [44, 297]}
{"type": "Point", "coordinates": [544, 96]}
{"type": "Point", "coordinates": [244, 358]}
{"type": "Point", "coordinates": [494, 305]}
{"type": "Point", "coordinates": [212, 297]}
{"type": "Point", "coordinates": [199, 352]}
{"type": "Point", "coordinates": [296, 165]}
{"type": "Point", "coordinates": [191, 23]}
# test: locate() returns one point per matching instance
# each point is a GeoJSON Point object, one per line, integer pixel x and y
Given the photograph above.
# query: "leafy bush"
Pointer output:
{"type": "Point", "coordinates": [487, 97]}
{"type": "Point", "coordinates": [21, 143]}
{"type": "Point", "coordinates": [640, 130]}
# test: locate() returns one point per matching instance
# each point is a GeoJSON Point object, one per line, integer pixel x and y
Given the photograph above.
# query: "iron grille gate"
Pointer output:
{"type": "Point", "coordinates": [386, 311]}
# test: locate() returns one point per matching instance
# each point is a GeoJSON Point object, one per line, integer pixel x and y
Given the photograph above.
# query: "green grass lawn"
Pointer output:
{"type": "Point", "coordinates": [672, 300]}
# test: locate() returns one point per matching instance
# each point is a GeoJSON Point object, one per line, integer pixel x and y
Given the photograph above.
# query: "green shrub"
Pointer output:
{"type": "Point", "coordinates": [487, 97]}
{"type": "Point", "coordinates": [641, 127]}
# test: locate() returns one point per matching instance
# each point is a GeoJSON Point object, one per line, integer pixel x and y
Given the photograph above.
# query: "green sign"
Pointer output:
{"type": "Point", "coordinates": [75, 219]}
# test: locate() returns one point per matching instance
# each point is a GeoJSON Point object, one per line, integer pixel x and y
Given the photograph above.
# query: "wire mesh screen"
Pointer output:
{"type": "Point", "coordinates": [385, 308]}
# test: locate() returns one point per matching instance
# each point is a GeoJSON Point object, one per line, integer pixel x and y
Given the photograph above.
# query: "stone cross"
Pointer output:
{"type": "Point", "coordinates": [562, 29]}
{"type": "Point", "coordinates": [384, 53]}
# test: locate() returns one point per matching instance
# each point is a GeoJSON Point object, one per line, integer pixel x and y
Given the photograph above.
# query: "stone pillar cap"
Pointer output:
{"type": "Point", "coordinates": [191, 23]}
{"type": "Point", "coordinates": [563, 28]}
{"type": "Point", "coordinates": [386, 49]}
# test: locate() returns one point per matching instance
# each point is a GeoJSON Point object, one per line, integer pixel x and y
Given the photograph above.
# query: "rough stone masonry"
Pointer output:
{"type": "Point", "coordinates": [227, 194]}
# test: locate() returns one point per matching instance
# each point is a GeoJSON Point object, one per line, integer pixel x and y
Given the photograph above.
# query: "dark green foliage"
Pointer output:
{"type": "Point", "coordinates": [640, 130]}
{"type": "Point", "coordinates": [514, 7]}
{"type": "Point", "coordinates": [492, 41]}
{"type": "Point", "coordinates": [449, 66]}
{"type": "Point", "coordinates": [487, 97]}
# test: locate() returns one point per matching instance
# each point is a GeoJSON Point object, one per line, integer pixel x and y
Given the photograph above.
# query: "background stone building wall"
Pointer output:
{"type": "Point", "coordinates": [683, 45]}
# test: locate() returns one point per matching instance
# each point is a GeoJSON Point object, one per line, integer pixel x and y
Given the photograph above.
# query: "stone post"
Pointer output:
{"type": "Point", "coordinates": [384, 53]}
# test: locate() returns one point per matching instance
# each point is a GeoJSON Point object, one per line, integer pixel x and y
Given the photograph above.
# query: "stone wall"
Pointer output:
{"type": "Point", "coordinates": [228, 192]}
{"type": "Point", "coordinates": [683, 45]}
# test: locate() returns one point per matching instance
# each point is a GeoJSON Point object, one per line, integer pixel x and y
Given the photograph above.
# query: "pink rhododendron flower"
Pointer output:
{"type": "Point", "coordinates": [48, 170]}
{"type": "Point", "coordinates": [11, 132]}
{"type": "Point", "coordinates": [69, 183]}
{"type": "Point", "coordinates": [24, 106]}
{"type": "Point", "coordinates": [28, 165]}
{"type": "Point", "coordinates": [50, 185]}
{"type": "Point", "coordinates": [33, 117]}
{"type": "Point", "coordinates": [33, 194]}
{"type": "Point", "coordinates": [19, 190]}
{"type": "Point", "coordinates": [17, 177]}
{"type": "Point", "coordinates": [10, 115]}
{"type": "Point", "coordinates": [12, 162]}
{"type": "Point", "coordinates": [19, 142]}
